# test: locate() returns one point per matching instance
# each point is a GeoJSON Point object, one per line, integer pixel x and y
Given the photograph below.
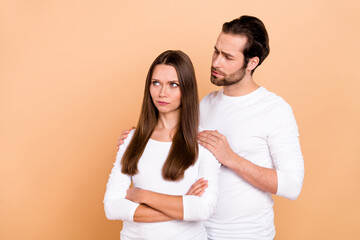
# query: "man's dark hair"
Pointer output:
{"type": "Point", "coordinates": [257, 44]}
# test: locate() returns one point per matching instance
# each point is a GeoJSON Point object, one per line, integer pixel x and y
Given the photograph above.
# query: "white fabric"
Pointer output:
{"type": "Point", "coordinates": [261, 128]}
{"type": "Point", "coordinates": [150, 178]}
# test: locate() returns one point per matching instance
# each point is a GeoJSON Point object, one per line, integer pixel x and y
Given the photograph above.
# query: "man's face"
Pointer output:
{"type": "Point", "coordinates": [228, 60]}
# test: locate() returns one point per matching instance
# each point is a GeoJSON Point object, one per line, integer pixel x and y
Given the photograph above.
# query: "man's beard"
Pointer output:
{"type": "Point", "coordinates": [228, 80]}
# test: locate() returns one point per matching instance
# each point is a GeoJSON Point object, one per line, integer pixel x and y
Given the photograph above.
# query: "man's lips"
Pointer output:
{"type": "Point", "coordinates": [216, 74]}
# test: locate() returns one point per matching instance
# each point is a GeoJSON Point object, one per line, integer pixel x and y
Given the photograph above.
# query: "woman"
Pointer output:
{"type": "Point", "coordinates": [162, 159]}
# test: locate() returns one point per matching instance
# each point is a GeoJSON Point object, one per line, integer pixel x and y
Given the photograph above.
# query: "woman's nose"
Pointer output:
{"type": "Point", "coordinates": [163, 91]}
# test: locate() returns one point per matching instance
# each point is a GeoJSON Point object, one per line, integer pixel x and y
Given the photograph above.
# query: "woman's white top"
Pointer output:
{"type": "Point", "coordinates": [149, 177]}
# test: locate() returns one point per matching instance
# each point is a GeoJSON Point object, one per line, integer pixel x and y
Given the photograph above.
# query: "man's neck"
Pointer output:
{"type": "Point", "coordinates": [245, 86]}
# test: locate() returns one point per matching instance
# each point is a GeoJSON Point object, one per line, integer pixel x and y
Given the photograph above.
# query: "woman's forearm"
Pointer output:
{"type": "Point", "coordinates": [170, 205]}
{"type": "Point", "coordinates": [145, 213]}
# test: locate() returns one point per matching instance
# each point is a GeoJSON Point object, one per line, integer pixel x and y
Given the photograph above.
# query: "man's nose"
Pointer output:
{"type": "Point", "coordinates": [216, 62]}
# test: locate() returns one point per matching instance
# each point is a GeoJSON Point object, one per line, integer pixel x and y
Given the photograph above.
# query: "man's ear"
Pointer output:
{"type": "Point", "coordinates": [253, 63]}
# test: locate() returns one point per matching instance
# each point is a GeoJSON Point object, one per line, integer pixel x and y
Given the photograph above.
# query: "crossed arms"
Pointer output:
{"type": "Point", "coordinates": [139, 205]}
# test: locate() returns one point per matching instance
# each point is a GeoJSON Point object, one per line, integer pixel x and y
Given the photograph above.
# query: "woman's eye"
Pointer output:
{"type": "Point", "coordinates": [174, 84]}
{"type": "Point", "coordinates": [156, 83]}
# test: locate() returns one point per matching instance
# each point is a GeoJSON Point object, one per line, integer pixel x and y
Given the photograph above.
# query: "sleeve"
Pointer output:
{"type": "Point", "coordinates": [283, 141]}
{"type": "Point", "coordinates": [115, 205]}
{"type": "Point", "coordinates": [201, 208]}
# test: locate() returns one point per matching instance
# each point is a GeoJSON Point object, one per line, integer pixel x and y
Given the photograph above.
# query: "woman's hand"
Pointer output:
{"type": "Point", "coordinates": [135, 195]}
{"type": "Point", "coordinates": [198, 188]}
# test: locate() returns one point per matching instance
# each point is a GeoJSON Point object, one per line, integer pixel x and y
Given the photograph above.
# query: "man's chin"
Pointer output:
{"type": "Point", "coordinates": [218, 81]}
{"type": "Point", "coordinates": [223, 81]}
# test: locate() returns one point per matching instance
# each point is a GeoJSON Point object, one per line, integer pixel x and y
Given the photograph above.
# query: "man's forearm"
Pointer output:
{"type": "Point", "coordinates": [262, 178]}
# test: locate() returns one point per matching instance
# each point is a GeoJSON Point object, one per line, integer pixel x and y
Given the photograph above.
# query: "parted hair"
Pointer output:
{"type": "Point", "coordinates": [257, 44]}
{"type": "Point", "coordinates": [184, 149]}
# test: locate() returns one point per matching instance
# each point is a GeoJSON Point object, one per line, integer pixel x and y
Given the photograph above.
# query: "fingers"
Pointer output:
{"type": "Point", "coordinates": [209, 147]}
{"type": "Point", "coordinates": [127, 196]}
{"type": "Point", "coordinates": [131, 193]}
{"type": "Point", "coordinates": [126, 132]}
{"type": "Point", "coordinates": [209, 135]}
{"type": "Point", "coordinates": [214, 135]}
{"type": "Point", "coordinates": [121, 138]}
{"type": "Point", "coordinates": [119, 143]}
{"type": "Point", "coordinates": [208, 139]}
{"type": "Point", "coordinates": [198, 188]}
{"type": "Point", "coordinates": [124, 135]}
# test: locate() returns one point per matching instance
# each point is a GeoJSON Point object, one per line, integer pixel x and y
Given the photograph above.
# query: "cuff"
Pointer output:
{"type": "Point", "coordinates": [132, 210]}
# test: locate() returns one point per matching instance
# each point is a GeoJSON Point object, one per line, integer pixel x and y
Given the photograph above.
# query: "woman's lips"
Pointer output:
{"type": "Point", "coordinates": [162, 103]}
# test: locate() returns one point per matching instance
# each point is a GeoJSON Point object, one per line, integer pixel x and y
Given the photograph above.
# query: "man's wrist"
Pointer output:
{"type": "Point", "coordinates": [233, 161]}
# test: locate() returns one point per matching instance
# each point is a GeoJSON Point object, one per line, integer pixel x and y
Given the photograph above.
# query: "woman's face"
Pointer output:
{"type": "Point", "coordinates": [165, 89]}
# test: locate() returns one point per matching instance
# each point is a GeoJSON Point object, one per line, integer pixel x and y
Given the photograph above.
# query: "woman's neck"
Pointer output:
{"type": "Point", "coordinates": [166, 126]}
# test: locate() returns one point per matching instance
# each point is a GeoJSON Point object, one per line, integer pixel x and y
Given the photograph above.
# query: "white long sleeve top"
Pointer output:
{"type": "Point", "coordinates": [150, 178]}
{"type": "Point", "coordinates": [261, 128]}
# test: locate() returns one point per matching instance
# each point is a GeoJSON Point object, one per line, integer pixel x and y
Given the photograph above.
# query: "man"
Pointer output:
{"type": "Point", "coordinates": [254, 136]}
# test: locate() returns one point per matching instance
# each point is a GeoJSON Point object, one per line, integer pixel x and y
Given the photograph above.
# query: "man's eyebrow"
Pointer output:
{"type": "Point", "coordinates": [225, 53]}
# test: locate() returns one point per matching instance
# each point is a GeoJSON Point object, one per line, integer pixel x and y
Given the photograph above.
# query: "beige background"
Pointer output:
{"type": "Point", "coordinates": [71, 78]}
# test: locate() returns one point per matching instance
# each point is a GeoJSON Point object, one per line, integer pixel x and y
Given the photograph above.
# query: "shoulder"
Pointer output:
{"type": "Point", "coordinates": [208, 103]}
{"type": "Point", "coordinates": [129, 137]}
{"type": "Point", "coordinates": [206, 158]}
{"type": "Point", "coordinates": [210, 97]}
{"type": "Point", "coordinates": [279, 114]}
{"type": "Point", "coordinates": [203, 150]}
{"type": "Point", "coordinates": [123, 147]}
{"type": "Point", "coordinates": [275, 103]}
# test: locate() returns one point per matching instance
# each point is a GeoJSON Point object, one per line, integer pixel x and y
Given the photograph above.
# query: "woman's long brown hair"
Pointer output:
{"type": "Point", "coordinates": [184, 149]}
